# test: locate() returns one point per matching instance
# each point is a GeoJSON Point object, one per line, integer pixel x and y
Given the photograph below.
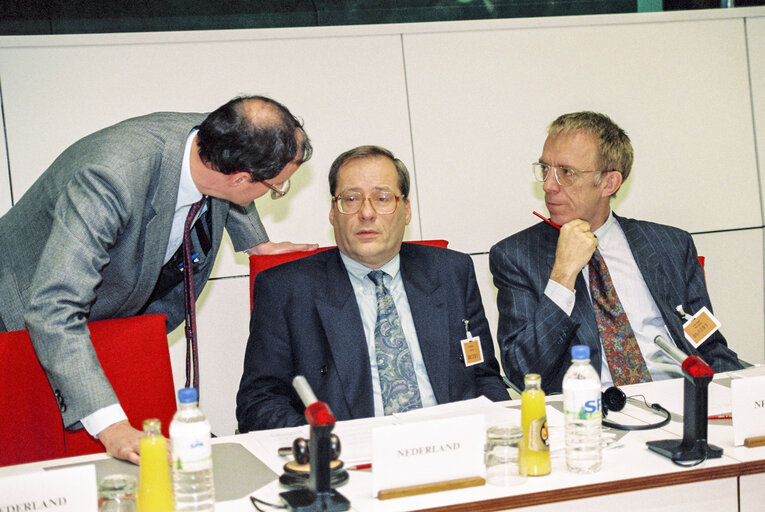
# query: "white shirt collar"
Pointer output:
{"type": "Point", "coordinates": [188, 193]}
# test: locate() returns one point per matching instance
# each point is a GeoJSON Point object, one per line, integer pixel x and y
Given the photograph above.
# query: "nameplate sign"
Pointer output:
{"type": "Point", "coordinates": [425, 452]}
{"type": "Point", "coordinates": [62, 490]}
{"type": "Point", "coordinates": [748, 408]}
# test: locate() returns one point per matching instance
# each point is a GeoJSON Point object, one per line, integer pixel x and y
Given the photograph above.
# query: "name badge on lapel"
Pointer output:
{"type": "Point", "coordinates": [700, 326]}
{"type": "Point", "coordinates": [472, 352]}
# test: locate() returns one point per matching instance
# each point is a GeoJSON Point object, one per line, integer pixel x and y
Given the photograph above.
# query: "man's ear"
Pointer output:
{"type": "Point", "coordinates": [612, 181]}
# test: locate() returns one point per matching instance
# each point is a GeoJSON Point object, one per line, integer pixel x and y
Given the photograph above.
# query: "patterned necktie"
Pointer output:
{"type": "Point", "coordinates": [192, 357]}
{"type": "Point", "coordinates": [622, 351]}
{"type": "Point", "coordinates": [394, 361]}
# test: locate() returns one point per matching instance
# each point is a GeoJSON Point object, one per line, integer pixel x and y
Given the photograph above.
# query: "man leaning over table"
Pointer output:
{"type": "Point", "coordinates": [375, 326]}
{"type": "Point", "coordinates": [98, 236]}
{"type": "Point", "coordinates": [542, 274]}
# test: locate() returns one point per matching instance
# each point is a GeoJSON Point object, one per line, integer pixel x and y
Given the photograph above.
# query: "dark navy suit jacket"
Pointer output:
{"type": "Point", "coordinates": [535, 335]}
{"type": "Point", "coordinates": [306, 321]}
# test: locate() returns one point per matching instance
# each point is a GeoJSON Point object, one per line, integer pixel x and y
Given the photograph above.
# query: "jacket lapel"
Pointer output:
{"type": "Point", "coordinates": [341, 322]}
{"type": "Point", "coordinates": [430, 314]}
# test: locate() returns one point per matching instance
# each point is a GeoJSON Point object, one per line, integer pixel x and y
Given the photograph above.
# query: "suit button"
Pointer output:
{"type": "Point", "coordinates": [60, 400]}
{"type": "Point", "coordinates": [323, 370]}
{"type": "Point", "coordinates": [461, 358]}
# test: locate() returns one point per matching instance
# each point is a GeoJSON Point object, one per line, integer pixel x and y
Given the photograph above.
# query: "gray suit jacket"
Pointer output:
{"type": "Point", "coordinates": [535, 335]}
{"type": "Point", "coordinates": [306, 321]}
{"type": "Point", "coordinates": [86, 242]}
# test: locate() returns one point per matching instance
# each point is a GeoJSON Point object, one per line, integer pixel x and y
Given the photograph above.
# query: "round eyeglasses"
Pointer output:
{"type": "Point", "coordinates": [565, 176]}
{"type": "Point", "coordinates": [276, 192]}
{"type": "Point", "coordinates": [383, 202]}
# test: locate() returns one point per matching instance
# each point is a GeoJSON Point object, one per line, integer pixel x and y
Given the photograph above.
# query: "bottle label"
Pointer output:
{"type": "Point", "coordinates": [582, 403]}
{"type": "Point", "coordinates": [191, 448]}
{"type": "Point", "coordinates": [538, 438]}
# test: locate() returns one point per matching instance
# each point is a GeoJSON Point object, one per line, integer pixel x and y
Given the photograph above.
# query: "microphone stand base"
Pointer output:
{"type": "Point", "coordinates": [680, 451]}
{"type": "Point", "coordinates": [306, 500]}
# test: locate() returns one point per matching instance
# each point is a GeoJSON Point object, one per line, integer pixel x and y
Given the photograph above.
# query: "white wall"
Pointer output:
{"type": "Point", "coordinates": [465, 105]}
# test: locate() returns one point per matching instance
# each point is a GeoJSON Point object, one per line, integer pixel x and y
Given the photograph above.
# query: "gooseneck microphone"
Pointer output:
{"type": "Point", "coordinates": [317, 413]}
{"type": "Point", "coordinates": [693, 365]}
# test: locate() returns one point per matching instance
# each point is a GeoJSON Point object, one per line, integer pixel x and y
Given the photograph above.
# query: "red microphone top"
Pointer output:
{"type": "Point", "coordinates": [696, 367]}
{"type": "Point", "coordinates": [319, 414]}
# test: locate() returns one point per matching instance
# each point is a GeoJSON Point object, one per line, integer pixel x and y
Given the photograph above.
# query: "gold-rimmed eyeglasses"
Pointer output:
{"type": "Point", "coordinates": [565, 176]}
{"type": "Point", "coordinates": [276, 192]}
{"type": "Point", "coordinates": [383, 202]}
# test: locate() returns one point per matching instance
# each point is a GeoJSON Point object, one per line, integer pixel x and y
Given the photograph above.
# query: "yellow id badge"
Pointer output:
{"type": "Point", "coordinates": [700, 326]}
{"type": "Point", "coordinates": [471, 350]}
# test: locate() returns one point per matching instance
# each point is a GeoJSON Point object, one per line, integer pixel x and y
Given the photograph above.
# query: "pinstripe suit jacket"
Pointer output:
{"type": "Point", "coordinates": [87, 242]}
{"type": "Point", "coordinates": [535, 335]}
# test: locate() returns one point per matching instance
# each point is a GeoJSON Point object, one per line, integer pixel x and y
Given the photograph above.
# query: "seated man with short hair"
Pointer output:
{"type": "Point", "coordinates": [376, 327]}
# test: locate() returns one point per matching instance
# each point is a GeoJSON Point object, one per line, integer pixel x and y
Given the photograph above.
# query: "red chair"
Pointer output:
{"type": "Point", "coordinates": [30, 423]}
{"type": "Point", "coordinates": [135, 357]}
{"type": "Point", "coordinates": [260, 262]}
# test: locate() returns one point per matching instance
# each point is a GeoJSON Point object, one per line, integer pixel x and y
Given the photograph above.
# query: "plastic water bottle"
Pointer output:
{"type": "Point", "coordinates": [193, 484]}
{"type": "Point", "coordinates": [582, 410]}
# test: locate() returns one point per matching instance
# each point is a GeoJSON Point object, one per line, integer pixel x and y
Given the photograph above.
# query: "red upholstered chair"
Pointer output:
{"type": "Point", "coordinates": [136, 359]}
{"type": "Point", "coordinates": [260, 262]}
{"type": "Point", "coordinates": [30, 424]}
{"type": "Point", "coordinates": [135, 356]}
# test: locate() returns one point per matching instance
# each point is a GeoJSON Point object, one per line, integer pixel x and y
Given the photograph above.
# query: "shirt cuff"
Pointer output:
{"type": "Point", "coordinates": [102, 418]}
{"type": "Point", "coordinates": [561, 296]}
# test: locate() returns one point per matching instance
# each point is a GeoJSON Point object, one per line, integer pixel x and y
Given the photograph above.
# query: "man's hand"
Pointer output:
{"type": "Point", "coordinates": [280, 247]}
{"type": "Point", "coordinates": [576, 244]}
{"type": "Point", "coordinates": [122, 441]}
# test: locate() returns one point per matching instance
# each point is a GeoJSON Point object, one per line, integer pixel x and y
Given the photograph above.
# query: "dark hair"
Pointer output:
{"type": "Point", "coordinates": [369, 152]}
{"type": "Point", "coordinates": [254, 134]}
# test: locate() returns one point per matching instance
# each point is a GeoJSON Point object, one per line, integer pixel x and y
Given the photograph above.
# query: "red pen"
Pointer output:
{"type": "Point", "coordinates": [546, 220]}
{"type": "Point", "coordinates": [721, 417]}
{"type": "Point", "coordinates": [359, 467]}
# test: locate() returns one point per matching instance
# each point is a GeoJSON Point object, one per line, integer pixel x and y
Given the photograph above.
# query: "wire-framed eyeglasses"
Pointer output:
{"type": "Point", "coordinates": [383, 202]}
{"type": "Point", "coordinates": [565, 176]}
{"type": "Point", "coordinates": [277, 192]}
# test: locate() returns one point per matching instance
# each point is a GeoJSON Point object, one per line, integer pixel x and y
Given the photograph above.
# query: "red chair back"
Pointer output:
{"type": "Point", "coordinates": [136, 359]}
{"type": "Point", "coordinates": [261, 262]}
{"type": "Point", "coordinates": [135, 356]}
{"type": "Point", "coordinates": [30, 424]}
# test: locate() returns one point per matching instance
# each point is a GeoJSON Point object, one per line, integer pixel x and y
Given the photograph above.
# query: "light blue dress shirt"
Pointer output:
{"type": "Point", "coordinates": [366, 298]}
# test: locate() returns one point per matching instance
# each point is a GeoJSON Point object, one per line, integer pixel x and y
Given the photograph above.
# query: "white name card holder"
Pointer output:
{"type": "Point", "coordinates": [428, 456]}
{"type": "Point", "coordinates": [63, 490]}
{"type": "Point", "coordinates": [748, 408]}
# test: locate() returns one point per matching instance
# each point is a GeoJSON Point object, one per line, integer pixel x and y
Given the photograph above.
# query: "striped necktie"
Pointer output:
{"type": "Point", "coordinates": [192, 355]}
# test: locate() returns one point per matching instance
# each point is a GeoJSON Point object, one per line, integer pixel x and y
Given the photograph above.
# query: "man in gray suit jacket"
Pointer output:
{"type": "Point", "coordinates": [541, 273]}
{"type": "Point", "coordinates": [327, 327]}
{"type": "Point", "coordinates": [98, 233]}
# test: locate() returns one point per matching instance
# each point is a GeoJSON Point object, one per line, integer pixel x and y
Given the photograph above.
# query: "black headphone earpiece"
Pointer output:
{"type": "Point", "coordinates": [301, 453]}
{"type": "Point", "coordinates": [614, 399]}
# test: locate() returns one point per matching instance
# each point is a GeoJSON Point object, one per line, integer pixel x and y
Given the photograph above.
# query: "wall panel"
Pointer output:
{"type": "Point", "coordinates": [481, 101]}
{"type": "Point", "coordinates": [348, 90]}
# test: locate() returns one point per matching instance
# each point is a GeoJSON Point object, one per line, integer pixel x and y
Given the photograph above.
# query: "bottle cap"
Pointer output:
{"type": "Point", "coordinates": [580, 352]}
{"type": "Point", "coordinates": [187, 395]}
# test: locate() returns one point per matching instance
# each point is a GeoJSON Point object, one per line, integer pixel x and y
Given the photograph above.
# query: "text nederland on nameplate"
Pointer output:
{"type": "Point", "coordinates": [747, 408]}
{"type": "Point", "coordinates": [63, 490]}
{"type": "Point", "coordinates": [428, 451]}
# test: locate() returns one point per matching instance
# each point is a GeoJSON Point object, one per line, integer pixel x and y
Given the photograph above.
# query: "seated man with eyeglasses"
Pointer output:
{"type": "Point", "coordinates": [638, 272]}
{"type": "Point", "coordinates": [376, 327]}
